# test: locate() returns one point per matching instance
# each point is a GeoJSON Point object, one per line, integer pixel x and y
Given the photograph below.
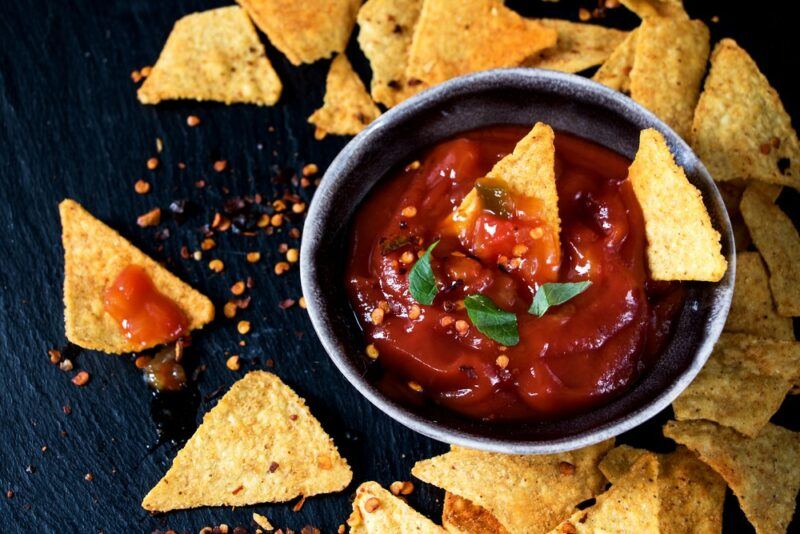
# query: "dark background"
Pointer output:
{"type": "Point", "coordinates": [70, 126]}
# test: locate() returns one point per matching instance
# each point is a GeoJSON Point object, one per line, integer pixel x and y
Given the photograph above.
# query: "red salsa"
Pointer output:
{"type": "Point", "coordinates": [145, 316]}
{"type": "Point", "coordinates": [578, 354]}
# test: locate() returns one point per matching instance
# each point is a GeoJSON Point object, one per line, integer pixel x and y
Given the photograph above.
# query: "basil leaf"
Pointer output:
{"type": "Point", "coordinates": [421, 282]}
{"type": "Point", "coordinates": [491, 321]}
{"type": "Point", "coordinates": [555, 293]}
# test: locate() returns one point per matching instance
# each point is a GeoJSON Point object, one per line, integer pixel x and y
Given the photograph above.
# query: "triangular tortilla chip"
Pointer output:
{"type": "Point", "coordinates": [668, 68]}
{"type": "Point", "coordinates": [656, 8]}
{"type": "Point", "coordinates": [615, 72]}
{"type": "Point", "coordinates": [742, 384]}
{"type": "Point", "coordinates": [306, 30]}
{"type": "Point", "coordinates": [778, 241]}
{"type": "Point", "coordinates": [94, 255]}
{"type": "Point", "coordinates": [385, 31]}
{"type": "Point", "coordinates": [763, 472]}
{"type": "Point", "coordinates": [376, 511]}
{"type": "Point", "coordinates": [631, 505]}
{"type": "Point", "coordinates": [681, 242]}
{"type": "Point", "coordinates": [691, 493]}
{"type": "Point", "coordinates": [526, 493]}
{"type": "Point", "coordinates": [740, 128]}
{"type": "Point", "coordinates": [455, 37]}
{"type": "Point", "coordinates": [259, 444]}
{"type": "Point", "coordinates": [213, 55]}
{"type": "Point", "coordinates": [579, 46]}
{"type": "Point", "coordinates": [347, 108]}
{"type": "Point", "coordinates": [460, 516]}
{"type": "Point", "coordinates": [752, 309]}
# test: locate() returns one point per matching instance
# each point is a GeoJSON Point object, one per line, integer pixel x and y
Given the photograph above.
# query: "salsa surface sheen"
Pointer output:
{"type": "Point", "coordinates": [576, 356]}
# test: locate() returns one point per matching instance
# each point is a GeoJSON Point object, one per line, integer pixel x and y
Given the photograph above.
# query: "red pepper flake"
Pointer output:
{"type": "Point", "coordinates": [81, 378]}
{"type": "Point", "coordinates": [238, 490]}
{"type": "Point", "coordinates": [285, 304]}
{"type": "Point", "coordinates": [55, 356]}
{"type": "Point", "coordinates": [220, 165]}
{"type": "Point", "coordinates": [299, 505]}
{"type": "Point", "coordinates": [10, 494]}
{"type": "Point", "coordinates": [293, 417]}
{"type": "Point", "coordinates": [310, 170]}
{"type": "Point", "coordinates": [185, 252]}
{"type": "Point", "coordinates": [192, 121]}
{"type": "Point", "coordinates": [88, 477]}
{"type": "Point", "coordinates": [67, 409]}
{"type": "Point", "coordinates": [200, 184]}
{"type": "Point", "coordinates": [273, 467]}
{"type": "Point", "coordinates": [151, 218]}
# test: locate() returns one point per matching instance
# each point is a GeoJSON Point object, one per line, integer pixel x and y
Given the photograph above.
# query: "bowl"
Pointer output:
{"type": "Point", "coordinates": [506, 96]}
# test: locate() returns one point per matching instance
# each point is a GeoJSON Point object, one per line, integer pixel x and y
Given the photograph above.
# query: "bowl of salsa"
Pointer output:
{"type": "Point", "coordinates": [480, 316]}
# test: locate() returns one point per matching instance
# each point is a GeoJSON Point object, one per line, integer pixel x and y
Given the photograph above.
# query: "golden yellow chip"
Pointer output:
{"type": "Point", "coordinates": [455, 37]}
{"type": "Point", "coordinates": [656, 8]}
{"type": "Point", "coordinates": [740, 128]}
{"type": "Point", "coordinates": [752, 309]}
{"type": "Point", "coordinates": [742, 384]}
{"type": "Point", "coordinates": [385, 31]}
{"type": "Point", "coordinates": [376, 511]}
{"type": "Point", "coordinates": [615, 72]}
{"type": "Point", "coordinates": [460, 516]}
{"type": "Point", "coordinates": [526, 493]}
{"type": "Point", "coordinates": [306, 30]}
{"type": "Point", "coordinates": [347, 109]}
{"type": "Point", "coordinates": [213, 55]}
{"type": "Point", "coordinates": [668, 68]}
{"type": "Point", "coordinates": [579, 46]}
{"type": "Point", "coordinates": [94, 255]}
{"type": "Point", "coordinates": [681, 242]}
{"type": "Point", "coordinates": [776, 237]}
{"type": "Point", "coordinates": [631, 505]}
{"type": "Point", "coordinates": [691, 493]}
{"type": "Point", "coordinates": [259, 444]}
{"type": "Point", "coordinates": [763, 472]}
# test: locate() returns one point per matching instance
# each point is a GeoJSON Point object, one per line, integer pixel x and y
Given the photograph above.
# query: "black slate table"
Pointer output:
{"type": "Point", "coordinates": [70, 126]}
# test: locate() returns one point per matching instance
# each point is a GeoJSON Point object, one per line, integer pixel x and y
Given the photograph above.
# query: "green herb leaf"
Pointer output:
{"type": "Point", "coordinates": [491, 321]}
{"type": "Point", "coordinates": [554, 294]}
{"type": "Point", "coordinates": [421, 282]}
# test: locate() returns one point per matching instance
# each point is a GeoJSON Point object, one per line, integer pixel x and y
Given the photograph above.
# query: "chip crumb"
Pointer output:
{"type": "Point", "coordinates": [192, 121]}
{"type": "Point", "coordinates": [151, 218]}
{"type": "Point", "coordinates": [141, 187]}
{"type": "Point", "coordinates": [262, 521]}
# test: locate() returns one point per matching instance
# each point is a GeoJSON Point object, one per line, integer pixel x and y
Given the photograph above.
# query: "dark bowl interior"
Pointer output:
{"type": "Point", "coordinates": [509, 96]}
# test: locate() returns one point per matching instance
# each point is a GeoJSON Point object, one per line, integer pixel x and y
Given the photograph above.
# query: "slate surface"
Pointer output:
{"type": "Point", "coordinates": [70, 126]}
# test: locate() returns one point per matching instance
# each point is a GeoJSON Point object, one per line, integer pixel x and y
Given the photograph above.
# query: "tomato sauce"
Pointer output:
{"type": "Point", "coordinates": [145, 316]}
{"type": "Point", "coordinates": [576, 356]}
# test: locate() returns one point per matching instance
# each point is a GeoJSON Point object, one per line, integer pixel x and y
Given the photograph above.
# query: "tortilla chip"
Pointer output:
{"type": "Point", "coordinates": [740, 128]}
{"type": "Point", "coordinates": [214, 55]}
{"type": "Point", "coordinates": [752, 309]}
{"type": "Point", "coordinates": [579, 46]}
{"type": "Point", "coordinates": [526, 493]}
{"type": "Point", "coordinates": [682, 243]}
{"type": "Point", "coordinates": [773, 357]}
{"type": "Point", "coordinates": [631, 505]}
{"type": "Point", "coordinates": [668, 68]}
{"type": "Point", "coordinates": [733, 390]}
{"type": "Point", "coordinates": [347, 108]}
{"type": "Point", "coordinates": [94, 255]}
{"type": "Point", "coordinates": [656, 8]}
{"type": "Point", "coordinates": [388, 513]}
{"type": "Point", "coordinates": [776, 237]}
{"type": "Point", "coordinates": [615, 72]}
{"type": "Point", "coordinates": [691, 493]}
{"type": "Point", "coordinates": [460, 516]}
{"type": "Point", "coordinates": [763, 472]}
{"type": "Point", "coordinates": [259, 444]}
{"type": "Point", "coordinates": [306, 30]}
{"type": "Point", "coordinates": [385, 31]}
{"type": "Point", "coordinates": [455, 37]}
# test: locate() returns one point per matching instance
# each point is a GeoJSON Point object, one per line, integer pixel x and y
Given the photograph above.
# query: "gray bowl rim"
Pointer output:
{"type": "Point", "coordinates": [476, 82]}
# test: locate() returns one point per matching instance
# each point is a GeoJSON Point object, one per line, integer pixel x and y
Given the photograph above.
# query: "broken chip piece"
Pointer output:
{"type": "Point", "coordinates": [740, 128]}
{"type": "Point", "coordinates": [460, 516]}
{"type": "Point", "coordinates": [455, 37]}
{"type": "Point", "coordinates": [579, 46]}
{"type": "Point", "coordinates": [631, 505]}
{"type": "Point", "coordinates": [526, 493]}
{"type": "Point", "coordinates": [742, 384]}
{"type": "Point", "coordinates": [615, 71]}
{"type": "Point", "coordinates": [213, 55]}
{"type": "Point", "coordinates": [259, 444]}
{"type": "Point", "coordinates": [752, 308]}
{"type": "Point", "coordinates": [691, 493]}
{"type": "Point", "coordinates": [656, 8]}
{"type": "Point", "coordinates": [668, 68]}
{"type": "Point", "coordinates": [778, 241]}
{"type": "Point", "coordinates": [305, 31]}
{"type": "Point", "coordinates": [681, 242]}
{"type": "Point", "coordinates": [385, 31]}
{"type": "Point", "coordinates": [763, 472]}
{"type": "Point", "coordinates": [377, 511]}
{"type": "Point", "coordinates": [94, 256]}
{"type": "Point", "coordinates": [348, 108]}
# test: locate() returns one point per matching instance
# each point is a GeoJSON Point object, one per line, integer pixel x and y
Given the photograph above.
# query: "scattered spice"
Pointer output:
{"type": "Point", "coordinates": [243, 327]}
{"type": "Point", "coordinates": [220, 165]}
{"type": "Point", "coordinates": [372, 351]}
{"type": "Point", "coordinates": [233, 363]}
{"type": "Point", "coordinates": [151, 218]}
{"type": "Point", "coordinates": [566, 468]}
{"type": "Point", "coordinates": [415, 386]}
{"type": "Point", "coordinates": [276, 220]}
{"type": "Point", "coordinates": [377, 316]}
{"type": "Point", "coordinates": [462, 326]}
{"type": "Point", "coordinates": [55, 355]}
{"type": "Point", "coordinates": [298, 207]}
{"type": "Point", "coordinates": [142, 187]}
{"type": "Point", "coordinates": [281, 267]}
{"type": "Point", "coordinates": [152, 163]}
{"type": "Point", "coordinates": [299, 504]}
{"type": "Point", "coordinates": [88, 477]}
{"type": "Point", "coordinates": [208, 244]}
{"type": "Point", "coordinates": [81, 378]}
{"type": "Point", "coordinates": [584, 14]}
{"type": "Point", "coordinates": [409, 212]}
{"type": "Point", "coordinates": [216, 265]}
{"type": "Point", "coordinates": [502, 361]}
{"type": "Point", "coordinates": [292, 255]}
{"type": "Point", "coordinates": [285, 304]}
{"type": "Point", "coordinates": [310, 170]}
{"type": "Point", "coordinates": [253, 257]}
{"type": "Point", "coordinates": [238, 288]}
{"type": "Point", "coordinates": [193, 120]}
